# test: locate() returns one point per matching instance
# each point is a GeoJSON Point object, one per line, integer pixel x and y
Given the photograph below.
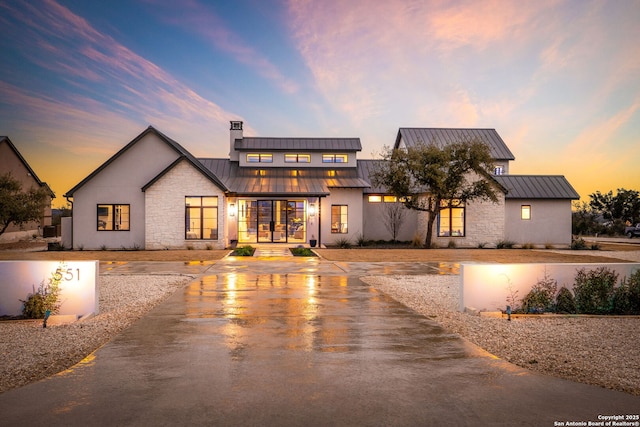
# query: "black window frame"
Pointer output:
{"type": "Point", "coordinates": [114, 226]}
{"type": "Point", "coordinates": [201, 208]}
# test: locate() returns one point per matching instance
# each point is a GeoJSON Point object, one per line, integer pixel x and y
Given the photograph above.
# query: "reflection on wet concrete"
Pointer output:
{"type": "Point", "coordinates": [306, 343]}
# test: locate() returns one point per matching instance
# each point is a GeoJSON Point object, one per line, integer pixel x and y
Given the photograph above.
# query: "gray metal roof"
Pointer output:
{"type": "Point", "coordinates": [537, 187]}
{"type": "Point", "coordinates": [280, 181]}
{"type": "Point", "coordinates": [443, 136]}
{"type": "Point", "coordinates": [306, 144]}
{"type": "Point", "coordinates": [365, 170]}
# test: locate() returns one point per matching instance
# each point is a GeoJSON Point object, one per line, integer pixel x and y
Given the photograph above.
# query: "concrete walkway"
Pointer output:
{"type": "Point", "coordinates": [300, 342]}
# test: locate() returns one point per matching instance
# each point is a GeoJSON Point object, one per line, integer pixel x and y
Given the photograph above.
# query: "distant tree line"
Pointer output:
{"type": "Point", "coordinates": [606, 213]}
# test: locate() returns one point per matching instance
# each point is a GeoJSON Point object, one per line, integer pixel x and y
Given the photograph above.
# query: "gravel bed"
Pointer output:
{"type": "Point", "coordinates": [28, 352]}
{"type": "Point", "coordinates": [597, 350]}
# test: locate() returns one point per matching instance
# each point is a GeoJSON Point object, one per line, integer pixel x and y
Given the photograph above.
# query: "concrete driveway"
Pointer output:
{"type": "Point", "coordinates": [302, 343]}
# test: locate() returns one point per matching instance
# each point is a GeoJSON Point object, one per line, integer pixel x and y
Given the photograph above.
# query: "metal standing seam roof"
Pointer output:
{"type": "Point", "coordinates": [306, 144]}
{"type": "Point", "coordinates": [443, 136]}
{"type": "Point", "coordinates": [279, 181]}
{"type": "Point", "coordinates": [537, 187]}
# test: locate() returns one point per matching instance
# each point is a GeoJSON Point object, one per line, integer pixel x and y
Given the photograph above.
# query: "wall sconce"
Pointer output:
{"type": "Point", "coordinates": [312, 209]}
{"type": "Point", "coordinates": [232, 209]}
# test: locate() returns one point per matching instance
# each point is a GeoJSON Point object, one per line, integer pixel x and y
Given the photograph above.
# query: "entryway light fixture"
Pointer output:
{"type": "Point", "coordinates": [232, 209]}
{"type": "Point", "coordinates": [312, 209]}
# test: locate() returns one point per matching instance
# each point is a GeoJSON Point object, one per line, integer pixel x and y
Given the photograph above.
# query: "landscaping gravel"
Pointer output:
{"type": "Point", "coordinates": [29, 352]}
{"type": "Point", "coordinates": [595, 350]}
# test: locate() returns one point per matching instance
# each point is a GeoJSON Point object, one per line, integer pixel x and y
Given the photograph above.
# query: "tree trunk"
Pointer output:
{"type": "Point", "coordinates": [429, 238]}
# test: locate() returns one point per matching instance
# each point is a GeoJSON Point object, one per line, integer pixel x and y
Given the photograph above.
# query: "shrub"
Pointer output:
{"type": "Point", "coordinates": [452, 244]}
{"type": "Point", "coordinates": [565, 302]}
{"type": "Point", "coordinates": [505, 244]}
{"type": "Point", "coordinates": [343, 243]}
{"type": "Point", "coordinates": [527, 246]}
{"type": "Point", "coordinates": [360, 240]}
{"type": "Point", "coordinates": [626, 297]}
{"type": "Point", "coordinates": [540, 298]}
{"type": "Point", "coordinates": [417, 241]}
{"type": "Point", "coordinates": [594, 290]}
{"type": "Point", "coordinates": [578, 244]}
{"type": "Point", "coordinates": [244, 251]}
{"type": "Point", "coordinates": [44, 299]}
{"type": "Point", "coordinates": [302, 252]}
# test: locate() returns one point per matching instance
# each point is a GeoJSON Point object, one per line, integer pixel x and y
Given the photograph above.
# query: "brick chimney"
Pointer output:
{"type": "Point", "coordinates": [235, 133]}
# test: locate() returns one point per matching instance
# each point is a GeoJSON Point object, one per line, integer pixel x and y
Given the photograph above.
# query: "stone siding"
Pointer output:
{"type": "Point", "coordinates": [165, 209]}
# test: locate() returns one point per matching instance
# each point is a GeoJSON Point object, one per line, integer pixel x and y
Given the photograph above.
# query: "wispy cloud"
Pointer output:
{"type": "Point", "coordinates": [95, 64]}
{"type": "Point", "coordinates": [195, 17]}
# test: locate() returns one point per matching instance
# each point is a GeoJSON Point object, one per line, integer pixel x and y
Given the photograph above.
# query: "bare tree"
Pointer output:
{"type": "Point", "coordinates": [393, 215]}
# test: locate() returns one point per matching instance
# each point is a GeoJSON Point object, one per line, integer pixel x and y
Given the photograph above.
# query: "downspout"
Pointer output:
{"type": "Point", "coordinates": [71, 203]}
{"type": "Point", "coordinates": [319, 221]}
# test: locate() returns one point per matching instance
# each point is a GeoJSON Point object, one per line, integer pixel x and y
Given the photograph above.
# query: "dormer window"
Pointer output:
{"type": "Point", "coordinates": [259, 158]}
{"type": "Point", "coordinates": [498, 170]}
{"type": "Point", "coordinates": [335, 158]}
{"type": "Point", "coordinates": [297, 158]}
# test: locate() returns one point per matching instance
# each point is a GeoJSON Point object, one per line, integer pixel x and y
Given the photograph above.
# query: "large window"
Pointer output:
{"type": "Point", "coordinates": [334, 158]}
{"type": "Point", "coordinates": [113, 217]}
{"type": "Point", "coordinates": [201, 218]}
{"type": "Point", "coordinates": [297, 158]}
{"type": "Point", "coordinates": [259, 158]}
{"type": "Point", "coordinates": [339, 219]}
{"type": "Point", "coordinates": [451, 219]}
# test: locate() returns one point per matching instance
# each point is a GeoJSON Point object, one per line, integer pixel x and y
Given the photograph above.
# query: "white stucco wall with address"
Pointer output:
{"type": "Point", "coordinates": [78, 284]}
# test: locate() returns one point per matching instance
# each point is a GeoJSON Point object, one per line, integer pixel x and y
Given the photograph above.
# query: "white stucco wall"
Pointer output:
{"type": "Point", "coordinates": [341, 196]}
{"type": "Point", "coordinates": [165, 209]}
{"type": "Point", "coordinates": [120, 182]}
{"type": "Point", "coordinates": [374, 220]}
{"type": "Point", "coordinates": [550, 222]}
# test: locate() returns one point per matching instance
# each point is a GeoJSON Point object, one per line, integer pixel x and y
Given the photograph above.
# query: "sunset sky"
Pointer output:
{"type": "Point", "coordinates": [558, 80]}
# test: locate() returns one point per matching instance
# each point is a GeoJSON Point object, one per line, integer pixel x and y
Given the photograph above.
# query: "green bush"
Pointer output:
{"type": "Point", "coordinates": [540, 298]}
{"type": "Point", "coordinates": [565, 303]}
{"type": "Point", "coordinates": [626, 297]}
{"type": "Point", "coordinates": [302, 252]}
{"type": "Point", "coordinates": [244, 251]}
{"type": "Point", "coordinates": [594, 290]}
{"type": "Point", "coordinates": [44, 299]}
{"type": "Point", "coordinates": [578, 244]}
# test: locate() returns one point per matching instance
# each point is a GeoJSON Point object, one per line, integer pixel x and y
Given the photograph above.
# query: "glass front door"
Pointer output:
{"type": "Point", "coordinates": [271, 221]}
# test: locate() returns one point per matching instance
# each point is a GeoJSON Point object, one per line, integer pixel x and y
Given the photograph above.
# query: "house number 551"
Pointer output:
{"type": "Point", "coordinates": [67, 274]}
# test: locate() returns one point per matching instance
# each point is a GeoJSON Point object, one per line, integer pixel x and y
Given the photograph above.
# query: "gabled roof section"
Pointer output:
{"type": "Point", "coordinates": [282, 181]}
{"type": "Point", "coordinates": [193, 162]}
{"type": "Point", "coordinates": [173, 144]}
{"type": "Point", "coordinates": [443, 136]}
{"type": "Point", "coordinates": [306, 144]}
{"type": "Point", "coordinates": [537, 187]}
{"type": "Point", "coordinates": [26, 165]}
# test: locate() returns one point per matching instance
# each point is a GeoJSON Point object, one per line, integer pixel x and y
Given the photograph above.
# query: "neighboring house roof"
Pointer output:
{"type": "Point", "coordinates": [537, 187]}
{"type": "Point", "coordinates": [281, 181]}
{"type": "Point", "coordinates": [196, 164]}
{"type": "Point", "coordinates": [443, 136]}
{"type": "Point", "coordinates": [6, 140]}
{"type": "Point", "coordinates": [173, 144]}
{"type": "Point", "coordinates": [306, 144]}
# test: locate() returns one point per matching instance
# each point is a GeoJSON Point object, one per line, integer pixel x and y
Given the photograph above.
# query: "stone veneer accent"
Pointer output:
{"type": "Point", "coordinates": [484, 222]}
{"type": "Point", "coordinates": [165, 209]}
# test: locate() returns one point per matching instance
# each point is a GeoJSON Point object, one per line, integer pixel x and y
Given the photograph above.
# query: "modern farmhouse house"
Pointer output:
{"type": "Point", "coordinates": [154, 194]}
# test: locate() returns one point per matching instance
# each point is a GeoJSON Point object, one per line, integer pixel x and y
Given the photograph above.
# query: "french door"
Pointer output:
{"type": "Point", "coordinates": [272, 221]}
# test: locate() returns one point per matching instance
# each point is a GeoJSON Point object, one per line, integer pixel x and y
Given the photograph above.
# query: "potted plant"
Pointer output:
{"type": "Point", "coordinates": [313, 242]}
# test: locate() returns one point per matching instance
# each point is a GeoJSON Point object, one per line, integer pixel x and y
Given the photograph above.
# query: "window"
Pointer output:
{"type": "Point", "coordinates": [201, 218]}
{"type": "Point", "coordinates": [334, 158]}
{"type": "Point", "coordinates": [375, 199]}
{"type": "Point", "coordinates": [339, 219]}
{"type": "Point", "coordinates": [390, 199]}
{"type": "Point", "coordinates": [113, 217]}
{"type": "Point", "coordinates": [259, 158]}
{"type": "Point", "coordinates": [525, 212]}
{"type": "Point", "coordinates": [451, 219]}
{"type": "Point", "coordinates": [498, 170]}
{"type": "Point", "coordinates": [297, 158]}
